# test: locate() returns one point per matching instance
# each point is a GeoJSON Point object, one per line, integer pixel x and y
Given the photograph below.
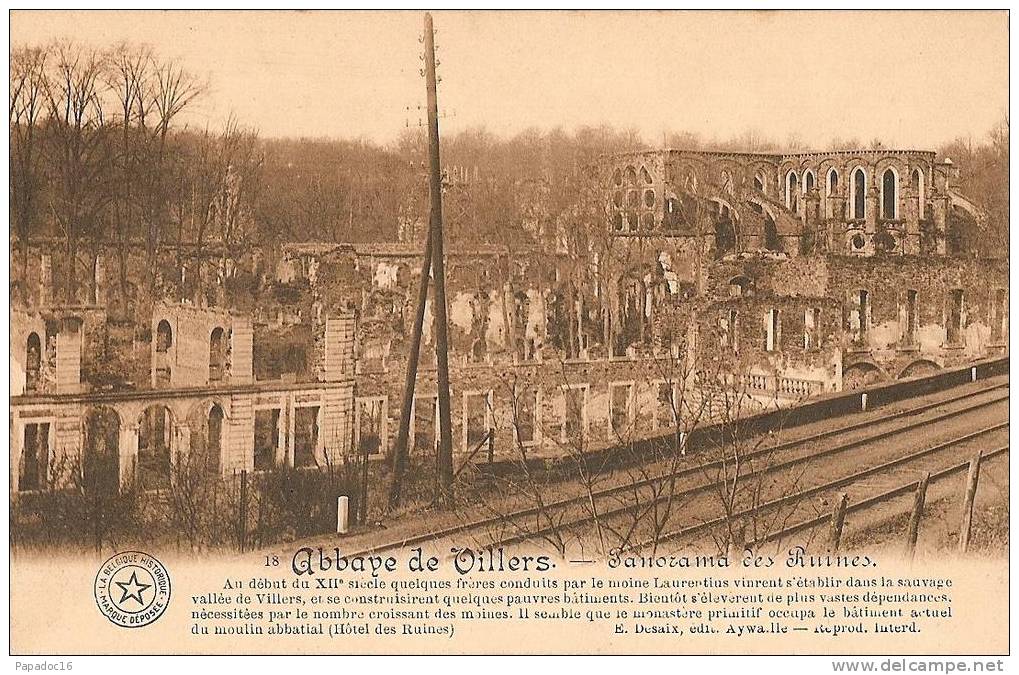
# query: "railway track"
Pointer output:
{"type": "Point", "coordinates": [918, 463]}
{"type": "Point", "coordinates": [879, 498]}
{"type": "Point", "coordinates": [623, 500]}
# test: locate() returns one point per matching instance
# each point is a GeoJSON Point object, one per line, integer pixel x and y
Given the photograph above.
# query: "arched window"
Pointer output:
{"type": "Point", "coordinates": [791, 184]}
{"type": "Point", "coordinates": [759, 182]}
{"type": "Point", "coordinates": [631, 175]}
{"type": "Point", "coordinates": [889, 194]}
{"type": "Point", "coordinates": [918, 191]}
{"type": "Point", "coordinates": [808, 182]}
{"type": "Point", "coordinates": [217, 354]}
{"type": "Point", "coordinates": [33, 362]}
{"type": "Point", "coordinates": [859, 200]}
{"type": "Point", "coordinates": [833, 182]}
{"type": "Point", "coordinates": [831, 188]}
{"type": "Point", "coordinates": [645, 175]}
{"type": "Point", "coordinates": [164, 336]}
{"type": "Point", "coordinates": [726, 181]}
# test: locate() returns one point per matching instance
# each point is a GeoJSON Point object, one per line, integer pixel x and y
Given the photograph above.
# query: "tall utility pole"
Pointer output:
{"type": "Point", "coordinates": [400, 451]}
{"type": "Point", "coordinates": [444, 463]}
{"type": "Point", "coordinates": [431, 265]}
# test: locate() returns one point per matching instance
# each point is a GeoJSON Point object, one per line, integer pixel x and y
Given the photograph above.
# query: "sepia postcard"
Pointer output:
{"type": "Point", "coordinates": [493, 332]}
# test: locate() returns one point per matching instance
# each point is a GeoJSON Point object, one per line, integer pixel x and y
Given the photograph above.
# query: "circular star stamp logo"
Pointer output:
{"type": "Point", "coordinates": [132, 589]}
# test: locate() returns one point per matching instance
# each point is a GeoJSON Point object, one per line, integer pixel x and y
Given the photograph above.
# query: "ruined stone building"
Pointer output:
{"type": "Point", "coordinates": [781, 276]}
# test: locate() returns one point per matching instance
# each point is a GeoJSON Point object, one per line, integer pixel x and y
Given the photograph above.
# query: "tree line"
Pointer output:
{"type": "Point", "coordinates": [101, 160]}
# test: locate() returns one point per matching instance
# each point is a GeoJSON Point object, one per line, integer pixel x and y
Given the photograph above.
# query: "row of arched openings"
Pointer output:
{"type": "Point", "coordinates": [633, 192]}
{"type": "Point", "coordinates": [889, 191]}
{"type": "Point", "coordinates": [156, 429]}
{"type": "Point", "coordinates": [218, 345]}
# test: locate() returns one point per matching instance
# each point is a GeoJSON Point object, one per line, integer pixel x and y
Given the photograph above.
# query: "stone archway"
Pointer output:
{"type": "Point", "coordinates": [206, 425]}
{"type": "Point", "coordinates": [862, 374]}
{"type": "Point", "coordinates": [919, 368]}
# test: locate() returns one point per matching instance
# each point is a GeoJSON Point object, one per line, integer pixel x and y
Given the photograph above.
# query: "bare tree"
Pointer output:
{"type": "Point", "coordinates": [27, 106]}
{"type": "Point", "coordinates": [127, 78]}
{"type": "Point", "coordinates": [78, 148]}
{"type": "Point", "coordinates": [166, 91]}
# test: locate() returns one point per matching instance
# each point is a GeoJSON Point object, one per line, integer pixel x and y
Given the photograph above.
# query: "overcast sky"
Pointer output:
{"type": "Point", "coordinates": [911, 79]}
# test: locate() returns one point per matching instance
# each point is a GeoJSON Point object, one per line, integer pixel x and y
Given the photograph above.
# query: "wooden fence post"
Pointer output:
{"type": "Point", "coordinates": [967, 505]}
{"type": "Point", "coordinates": [914, 519]}
{"type": "Point", "coordinates": [838, 520]}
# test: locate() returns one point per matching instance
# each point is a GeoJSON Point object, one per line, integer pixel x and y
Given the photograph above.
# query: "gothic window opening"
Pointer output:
{"type": "Point", "coordinates": [831, 189]}
{"type": "Point", "coordinates": [859, 197]}
{"type": "Point", "coordinates": [726, 181]}
{"type": "Point", "coordinates": [889, 195]}
{"type": "Point", "coordinates": [792, 182]}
